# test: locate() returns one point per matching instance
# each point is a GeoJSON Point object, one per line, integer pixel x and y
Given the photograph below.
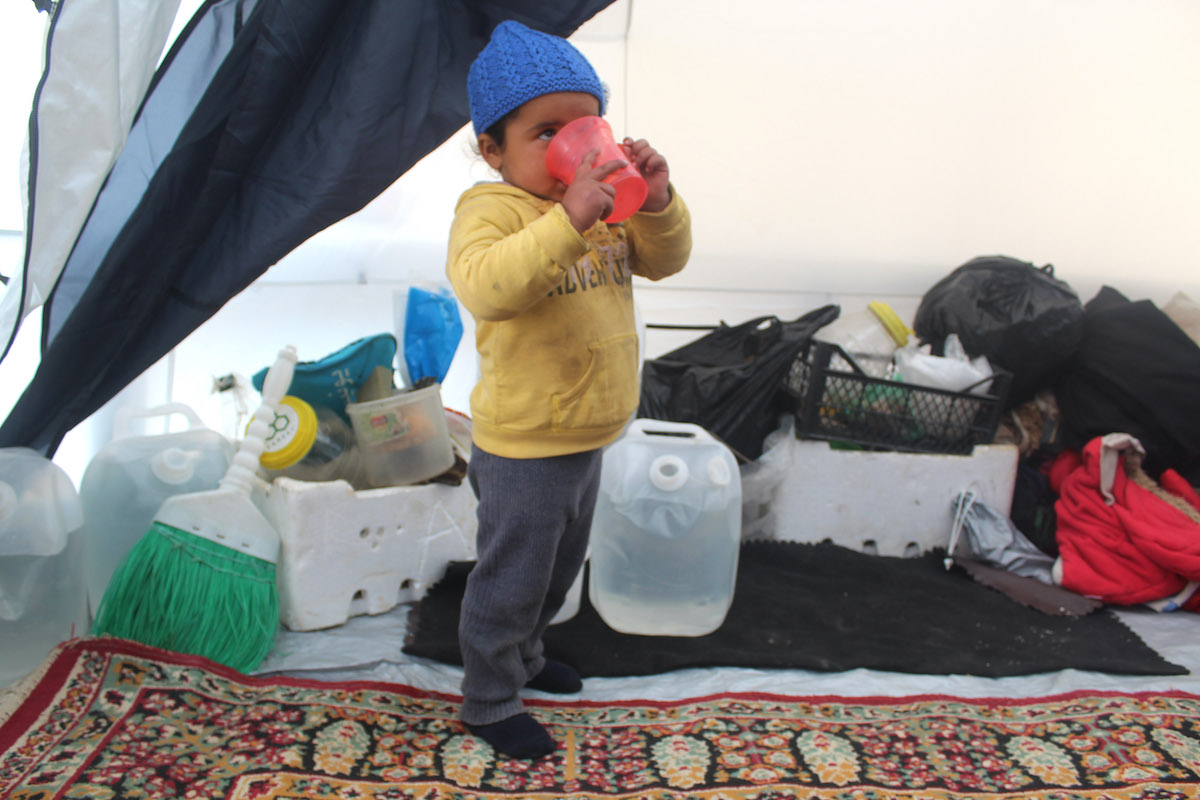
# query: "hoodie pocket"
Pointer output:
{"type": "Point", "coordinates": [607, 392]}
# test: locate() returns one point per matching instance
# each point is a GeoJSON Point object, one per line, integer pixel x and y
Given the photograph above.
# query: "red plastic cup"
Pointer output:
{"type": "Point", "coordinates": [579, 137]}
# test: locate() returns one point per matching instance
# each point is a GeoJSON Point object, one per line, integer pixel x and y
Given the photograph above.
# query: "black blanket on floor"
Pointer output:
{"type": "Point", "coordinates": [825, 607]}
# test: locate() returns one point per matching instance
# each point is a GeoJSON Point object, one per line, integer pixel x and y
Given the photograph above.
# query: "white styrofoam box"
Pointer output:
{"type": "Point", "coordinates": [888, 502]}
{"type": "Point", "coordinates": [345, 553]}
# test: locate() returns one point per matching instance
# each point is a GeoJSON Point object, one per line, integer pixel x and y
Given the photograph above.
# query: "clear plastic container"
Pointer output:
{"type": "Point", "coordinates": [403, 438]}
{"type": "Point", "coordinates": [128, 480]}
{"type": "Point", "coordinates": [43, 597]}
{"type": "Point", "coordinates": [870, 337]}
{"type": "Point", "coordinates": [666, 531]}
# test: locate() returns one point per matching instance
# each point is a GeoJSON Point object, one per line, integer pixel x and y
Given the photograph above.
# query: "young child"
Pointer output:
{"type": "Point", "coordinates": [550, 287]}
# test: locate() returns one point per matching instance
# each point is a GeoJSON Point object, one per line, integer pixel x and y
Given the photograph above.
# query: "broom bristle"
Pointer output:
{"type": "Point", "coordinates": [185, 593]}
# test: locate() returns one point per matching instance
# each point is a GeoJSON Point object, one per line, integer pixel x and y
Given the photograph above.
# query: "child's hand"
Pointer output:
{"type": "Point", "coordinates": [588, 198]}
{"type": "Point", "coordinates": [653, 167]}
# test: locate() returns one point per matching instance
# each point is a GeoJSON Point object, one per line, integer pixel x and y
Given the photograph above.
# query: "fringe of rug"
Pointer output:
{"type": "Point", "coordinates": [12, 696]}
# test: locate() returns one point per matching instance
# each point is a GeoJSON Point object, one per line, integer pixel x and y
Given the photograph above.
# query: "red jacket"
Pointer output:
{"type": "Point", "coordinates": [1120, 541]}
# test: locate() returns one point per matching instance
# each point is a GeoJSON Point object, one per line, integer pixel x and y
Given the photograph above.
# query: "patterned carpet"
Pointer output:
{"type": "Point", "coordinates": [112, 719]}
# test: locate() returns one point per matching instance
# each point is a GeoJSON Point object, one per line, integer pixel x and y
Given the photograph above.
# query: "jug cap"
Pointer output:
{"type": "Point", "coordinates": [719, 472]}
{"type": "Point", "coordinates": [668, 473]}
{"type": "Point", "coordinates": [174, 465]}
{"type": "Point", "coordinates": [291, 434]}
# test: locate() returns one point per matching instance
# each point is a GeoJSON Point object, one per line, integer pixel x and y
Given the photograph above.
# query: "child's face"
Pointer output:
{"type": "Point", "coordinates": [521, 161]}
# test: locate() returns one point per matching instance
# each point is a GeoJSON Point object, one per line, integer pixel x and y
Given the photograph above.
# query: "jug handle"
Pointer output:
{"type": "Point", "coordinates": [126, 414]}
{"type": "Point", "coordinates": [645, 428]}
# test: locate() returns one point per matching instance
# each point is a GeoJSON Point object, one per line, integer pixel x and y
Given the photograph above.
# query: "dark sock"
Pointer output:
{"type": "Point", "coordinates": [520, 737]}
{"type": "Point", "coordinates": [556, 678]}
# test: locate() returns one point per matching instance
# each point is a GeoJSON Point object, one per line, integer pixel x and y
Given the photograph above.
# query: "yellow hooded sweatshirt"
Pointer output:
{"type": "Point", "coordinates": [553, 311]}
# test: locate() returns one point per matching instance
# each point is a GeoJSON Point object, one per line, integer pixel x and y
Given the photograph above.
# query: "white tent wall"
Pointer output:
{"type": "Point", "coordinates": [830, 151]}
{"type": "Point", "coordinates": [865, 147]}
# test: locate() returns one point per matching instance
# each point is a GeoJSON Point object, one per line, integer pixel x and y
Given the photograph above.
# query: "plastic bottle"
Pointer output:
{"type": "Point", "coordinates": [310, 443]}
{"type": "Point", "coordinates": [128, 480]}
{"type": "Point", "coordinates": [43, 597]}
{"type": "Point", "coordinates": [869, 336]}
{"type": "Point", "coordinates": [666, 531]}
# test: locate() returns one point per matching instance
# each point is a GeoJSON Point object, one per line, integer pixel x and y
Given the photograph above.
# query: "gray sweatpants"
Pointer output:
{"type": "Point", "coordinates": [534, 519]}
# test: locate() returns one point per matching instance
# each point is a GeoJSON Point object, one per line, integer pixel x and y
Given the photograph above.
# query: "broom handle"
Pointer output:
{"type": "Point", "coordinates": [243, 469]}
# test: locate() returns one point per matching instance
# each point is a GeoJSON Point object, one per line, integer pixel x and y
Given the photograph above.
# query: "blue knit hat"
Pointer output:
{"type": "Point", "coordinates": [519, 64]}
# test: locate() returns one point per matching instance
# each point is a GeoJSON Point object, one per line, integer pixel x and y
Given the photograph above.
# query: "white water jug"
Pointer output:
{"type": "Point", "coordinates": [667, 527]}
{"type": "Point", "coordinates": [42, 597]}
{"type": "Point", "coordinates": [127, 481]}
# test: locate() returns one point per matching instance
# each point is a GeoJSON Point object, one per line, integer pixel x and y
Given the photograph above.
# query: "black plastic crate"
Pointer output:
{"type": "Point", "coordinates": [850, 406]}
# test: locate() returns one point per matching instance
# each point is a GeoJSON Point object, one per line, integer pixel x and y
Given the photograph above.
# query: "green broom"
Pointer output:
{"type": "Point", "coordinates": [201, 580]}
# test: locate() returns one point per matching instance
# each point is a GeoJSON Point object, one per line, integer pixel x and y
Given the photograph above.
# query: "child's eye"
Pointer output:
{"type": "Point", "coordinates": [547, 134]}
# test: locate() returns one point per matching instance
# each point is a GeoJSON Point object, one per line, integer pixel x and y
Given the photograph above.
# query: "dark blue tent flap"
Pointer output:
{"type": "Point", "coordinates": [319, 106]}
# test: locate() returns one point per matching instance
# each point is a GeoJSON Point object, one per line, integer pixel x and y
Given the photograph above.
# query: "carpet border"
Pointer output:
{"type": "Point", "coordinates": [53, 681]}
{"type": "Point", "coordinates": [60, 662]}
{"type": "Point", "coordinates": [27, 709]}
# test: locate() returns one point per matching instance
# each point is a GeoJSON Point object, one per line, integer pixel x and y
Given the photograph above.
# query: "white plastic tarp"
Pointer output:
{"type": "Point", "coordinates": [78, 128]}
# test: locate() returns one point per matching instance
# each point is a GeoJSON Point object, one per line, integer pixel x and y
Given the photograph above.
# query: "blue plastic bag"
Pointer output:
{"type": "Point", "coordinates": [432, 330]}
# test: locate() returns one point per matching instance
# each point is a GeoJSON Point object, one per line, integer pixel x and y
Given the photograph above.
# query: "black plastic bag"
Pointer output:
{"type": "Point", "coordinates": [1032, 508]}
{"type": "Point", "coordinates": [1020, 316]}
{"type": "Point", "coordinates": [1136, 372]}
{"type": "Point", "coordinates": [730, 381]}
